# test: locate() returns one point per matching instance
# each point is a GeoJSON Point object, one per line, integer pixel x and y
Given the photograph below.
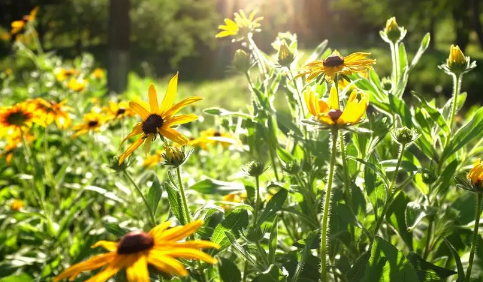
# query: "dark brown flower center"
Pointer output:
{"type": "Point", "coordinates": [334, 114]}
{"type": "Point", "coordinates": [152, 123]}
{"type": "Point", "coordinates": [217, 134]}
{"type": "Point", "coordinates": [18, 118]}
{"type": "Point", "coordinates": [120, 111]}
{"type": "Point", "coordinates": [134, 242]}
{"type": "Point", "coordinates": [93, 123]}
{"type": "Point", "coordinates": [333, 61]}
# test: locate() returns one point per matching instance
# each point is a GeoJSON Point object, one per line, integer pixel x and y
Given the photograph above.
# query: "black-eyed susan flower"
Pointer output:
{"type": "Point", "coordinates": [16, 205]}
{"type": "Point", "coordinates": [336, 64]}
{"type": "Point", "coordinates": [160, 119]}
{"type": "Point", "coordinates": [77, 84]}
{"type": "Point", "coordinates": [17, 26]}
{"type": "Point", "coordinates": [118, 110]}
{"type": "Point", "coordinates": [476, 175]}
{"type": "Point", "coordinates": [212, 136]}
{"type": "Point", "coordinates": [61, 74]}
{"type": "Point", "coordinates": [54, 112]}
{"type": "Point", "coordinates": [241, 27]}
{"type": "Point", "coordinates": [136, 250]}
{"type": "Point", "coordinates": [16, 119]}
{"type": "Point", "coordinates": [92, 121]}
{"type": "Point", "coordinates": [330, 114]}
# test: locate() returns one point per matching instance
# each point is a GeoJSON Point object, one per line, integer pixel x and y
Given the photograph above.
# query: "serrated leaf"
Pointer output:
{"type": "Point", "coordinates": [234, 223]}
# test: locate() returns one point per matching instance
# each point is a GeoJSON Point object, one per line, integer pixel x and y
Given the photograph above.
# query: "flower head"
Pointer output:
{"type": "Point", "coordinates": [457, 63]}
{"type": "Point", "coordinates": [212, 136]}
{"type": "Point", "coordinates": [16, 205]}
{"type": "Point", "coordinates": [329, 113]}
{"type": "Point", "coordinates": [77, 84]}
{"type": "Point", "coordinates": [476, 175]}
{"type": "Point", "coordinates": [160, 248]}
{"type": "Point", "coordinates": [118, 110]}
{"type": "Point", "coordinates": [393, 33]}
{"type": "Point", "coordinates": [91, 122]}
{"type": "Point", "coordinates": [159, 120]}
{"type": "Point", "coordinates": [98, 73]}
{"type": "Point", "coordinates": [53, 111]}
{"type": "Point", "coordinates": [241, 27]}
{"type": "Point", "coordinates": [17, 26]}
{"type": "Point", "coordinates": [336, 64]}
{"type": "Point", "coordinates": [15, 119]}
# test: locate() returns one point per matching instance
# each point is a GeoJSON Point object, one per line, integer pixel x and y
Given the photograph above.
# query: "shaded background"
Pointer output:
{"type": "Point", "coordinates": [160, 36]}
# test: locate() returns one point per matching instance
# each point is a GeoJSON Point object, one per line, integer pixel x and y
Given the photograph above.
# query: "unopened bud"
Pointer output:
{"type": "Point", "coordinates": [175, 156]}
{"type": "Point", "coordinates": [254, 168]}
{"type": "Point", "coordinates": [241, 61]}
{"type": "Point", "coordinates": [285, 56]}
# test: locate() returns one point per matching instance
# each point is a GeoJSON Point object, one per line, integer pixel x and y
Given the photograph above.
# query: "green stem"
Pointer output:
{"type": "Point", "coordinates": [299, 94]}
{"type": "Point", "coordinates": [151, 215]}
{"type": "Point", "coordinates": [456, 93]}
{"type": "Point", "coordinates": [348, 192]}
{"type": "Point", "coordinates": [324, 239]}
{"type": "Point", "coordinates": [395, 64]}
{"type": "Point", "coordinates": [257, 201]}
{"type": "Point", "coordinates": [475, 237]}
{"type": "Point", "coordinates": [427, 249]}
{"type": "Point", "coordinates": [274, 165]}
{"type": "Point", "coordinates": [183, 196]}
{"type": "Point", "coordinates": [259, 56]}
{"type": "Point", "coordinates": [390, 193]}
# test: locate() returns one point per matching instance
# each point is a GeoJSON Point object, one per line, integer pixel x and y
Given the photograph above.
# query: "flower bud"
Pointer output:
{"type": "Point", "coordinates": [404, 135]}
{"type": "Point", "coordinates": [241, 61]}
{"type": "Point", "coordinates": [285, 56]}
{"type": "Point", "coordinates": [456, 56]}
{"type": "Point", "coordinates": [292, 167]}
{"type": "Point", "coordinates": [476, 175]}
{"type": "Point", "coordinates": [254, 168]}
{"type": "Point", "coordinates": [393, 32]}
{"type": "Point", "coordinates": [114, 164]}
{"type": "Point", "coordinates": [175, 156]}
{"type": "Point", "coordinates": [386, 84]}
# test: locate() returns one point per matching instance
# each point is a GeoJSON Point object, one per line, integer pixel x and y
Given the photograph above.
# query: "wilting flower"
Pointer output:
{"type": "Point", "coordinates": [15, 119]}
{"type": "Point", "coordinates": [160, 248]}
{"type": "Point", "coordinates": [91, 122]}
{"type": "Point", "coordinates": [77, 84]}
{"type": "Point", "coordinates": [212, 136]}
{"type": "Point", "coordinates": [241, 27]}
{"type": "Point", "coordinates": [336, 64]}
{"type": "Point", "coordinates": [17, 26]}
{"type": "Point", "coordinates": [98, 73]}
{"type": "Point", "coordinates": [61, 74]}
{"type": "Point", "coordinates": [53, 111]}
{"type": "Point", "coordinates": [159, 119]}
{"type": "Point", "coordinates": [152, 160]}
{"type": "Point", "coordinates": [329, 113]}
{"type": "Point", "coordinates": [16, 205]}
{"type": "Point", "coordinates": [119, 110]}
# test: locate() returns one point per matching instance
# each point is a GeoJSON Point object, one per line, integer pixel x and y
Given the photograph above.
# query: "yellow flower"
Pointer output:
{"type": "Point", "coordinates": [118, 110]}
{"type": "Point", "coordinates": [160, 248]}
{"type": "Point", "coordinates": [336, 64]}
{"type": "Point", "coordinates": [391, 25]}
{"type": "Point", "coordinates": [159, 119]}
{"type": "Point", "coordinates": [476, 174]}
{"type": "Point", "coordinates": [12, 144]}
{"type": "Point", "coordinates": [77, 84]}
{"type": "Point", "coordinates": [16, 205]}
{"type": "Point", "coordinates": [456, 56]}
{"type": "Point", "coordinates": [153, 160]}
{"type": "Point", "coordinates": [61, 74]}
{"type": "Point", "coordinates": [212, 136]}
{"type": "Point", "coordinates": [53, 111]}
{"type": "Point", "coordinates": [98, 73]}
{"type": "Point", "coordinates": [17, 26]}
{"type": "Point", "coordinates": [233, 198]}
{"type": "Point", "coordinates": [329, 113]}
{"type": "Point", "coordinates": [15, 119]}
{"type": "Point", "coordinates": [241, 27]}
{"type": "Point", "coordinates": [91, 122]}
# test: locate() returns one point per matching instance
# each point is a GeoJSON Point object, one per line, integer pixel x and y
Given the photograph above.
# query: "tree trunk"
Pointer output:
{"type": "Point", "coordinates": [118, 66]}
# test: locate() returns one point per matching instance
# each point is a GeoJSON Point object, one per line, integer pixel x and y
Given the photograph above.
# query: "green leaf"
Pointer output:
{"type": "Point", "coordinates": [306, 252]}
{"type": "Point", "coordinates": [356, 273]}
{"type": "Point", "coordinates": [174, 200]}
{"type": "Point", "coordinates": [114, 229]}
{"type": "Point", "coordinates": [387, 263]}
{"type": "Point", "coordinates": [400, 107]}
{"type": "Point", "coordinates": [217, 187]}
{"type": "Point", "coordinates": [239, 249]}
{"type": "Point", "coordinates": [415, 212]}
{"type": "Point", "coordinates": [154, 194]}
{"type": "Point", "coordinates": [229, 272]}
{"type": "Point", "coordinates": [273, 206]}
{"type": "Point", "coordinates": [397, 218]}
{"type": "Point", "coordinates": [234, 223]}
{"type": "Point", "coordinates": [435, 115]}
{"type": "Point", "coordinates": [459, 265]}
{"type": "Point", "coordinates": [428, 271]}
{"type": "Point", "coordinates": [23, 277]}
{"type": "Point", "coordinates": [407, 166]}
{"type": "Point", "coordinates": [473, 130]}
{"type": "Point", "coordinates": [272, 274]}
{"type": "Point", "coordinates": [403, 58]}
{"type": "Point", "coordinates": [284, 156]}
{"type": "Point", "coordinates": [273, 242]}
{"type": "Point", "coordinates": [422, 48]}
{"type": "Point", "coordinates": [319, 50]}
{"type": "Point", "coordinates": [222, 112]}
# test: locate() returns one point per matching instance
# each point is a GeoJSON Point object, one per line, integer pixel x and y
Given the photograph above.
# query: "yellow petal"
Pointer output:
{"type": "Point", "coordinates": [180, 105]}
{"type": "Point", "coordinates": [108, 245]}
{"type": "Point", "coordinates": [140, 110]}
{"type": "Point", "coordinates": [181, 120]}
{"type": "Point", "coordinates": [147, 143]}
{"type": "Point", "coordinates": [158, 230]}
{"type": "Point", "coordinates": [153, 99]}
{"type": "Point", "coordinates": [173, 135]}
{"type": "Point", "coordinates": [168, 99]}
{"type": "Point", "coordinates": [225, 33]}
{"type": "Point", "coordinates": [198, 244]}
{"type": "Point", "coordinates": [176, 234]}
{"type": "Point", "coordinates": [138, 129]}
{"type": "Point", "coordinates": [138, 270]}
{"type": "Point", "coordinates": [188, 253]}
{"type": "Point", "coordinates": [90, 264]}
{"type": "Point", "coordinates": [114, 267]}
{"type": "Point", "coordinates": [166, 264]}
{"type": "Point", "coordinates": [131, 149]}
{"type": "Point", "coordinates": [333, 98]}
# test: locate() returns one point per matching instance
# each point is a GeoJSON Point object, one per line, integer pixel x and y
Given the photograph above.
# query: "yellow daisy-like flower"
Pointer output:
{"type": "Point", "coordinates": [17, 26]}
{"type": "Point", "coordinates": [336, 64]}
{"type": "Point", "coordinates": [241, 27]}
{"type": "Point", "coordinates": [91, 122]}
{"type": "Point", "coordinates": [476, 174]}
{"type": "Point", "coordinates": [118, 110]}
{"type": "Point", "coordinates": [61, 74]}
{"type": "Point", "coordinates": [160, 248]}
{"type": "Point", "coordinates": [98, 73]}
{"type": "Point", "coordinates": [77, 84]}
{"type": "Point", "coordinates": [212, 136]}
{"type": "Point", "coordinates": [53, 111]}
{"type": "Point", "coordinates": [329, 113]}
{"type": "Point", "coordinates": [159, 119]}
{"type": "Point", "coordinates": [16, 205]}
{"type": "Point", "coordinates": [15, 119]}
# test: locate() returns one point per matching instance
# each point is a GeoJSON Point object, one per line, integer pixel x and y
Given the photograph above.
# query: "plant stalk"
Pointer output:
{"type": "Point", "coordinates": [475, 237]}
{"type": "Point", "coordinates": [456, 93]}
{"type": "Point", "coordinates": [183, 196]}
{"type": "Point", "coordinates": [151, 215]}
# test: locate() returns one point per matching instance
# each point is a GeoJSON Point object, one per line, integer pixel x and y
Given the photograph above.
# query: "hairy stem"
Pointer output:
{"type": "Point", "coordinates": [183, 196]}
{"type": "Point", "coordinates": [475, 237]}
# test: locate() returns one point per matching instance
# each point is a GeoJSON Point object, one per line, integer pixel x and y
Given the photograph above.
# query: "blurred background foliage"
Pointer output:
{"type": "Point", "coordinates": [168, 35]}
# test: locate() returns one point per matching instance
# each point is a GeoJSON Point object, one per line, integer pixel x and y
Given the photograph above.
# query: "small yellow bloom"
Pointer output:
{"type": "Point", "coordinates": [17, 26]}
{"type": "Point", "coordinates": [241, 27]}
{"type": "Point", "coordinates": [329, 113]}
{"type": "Point", "coordinates": [77, 84]}
{"type": "Point", "coordinates": [160, 119]}
{"type": "Point", "coordinates": [53, 111]}
{"type": "Point", "coordinates": [234, 198]}
{"type": "Point", "coordinates": [61, 74]}
{"type": "Point", "coordinates": [336, 64]}
{"type": "Point", "coordinates": [118, 110]}
{"type": "Point", "coordinates": [5, 36]}
{"type": "Point", "coordinates": [476, 175]}
{"type": "Point", "coordinates": [136, 250]}
{"type": "Point", "coordinates": [98, 73]}
{"type": "Point", "coordinates": [91, 122]}
{"type": "Point", "coordinates": [16, 119]}
{"type": "Point", "coordinates": [391, 25]}
{"type": "Point", "coordinates": [456, 56]}
{"type": "Point", "coordinates": [212, 136]}
{"type": "Point", "coordinates": [16, 205]}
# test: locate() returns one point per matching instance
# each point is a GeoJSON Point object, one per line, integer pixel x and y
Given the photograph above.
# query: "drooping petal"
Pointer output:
{"type": "Point", "coordinates": [173, 135]}
{"type": "Point", "coordinates": [153, 99]}
{"type": "Point", "coordinates": [176, 234]}
{"type": "Point", "coordinates": [147, 143]}
{"type": "Point", "coordinates": [138, 129]}
{"type": "Point", "coordinates": [166, 264]}
{"type": "Point", "coordinates": [90, 264]}
{"type": "Point", "coordinates": [333, 98]}
{"type": "Point", "coordinates": [114, 267]}
{"type": "Point", "coordinates": [108, 245]}
{"type": "Point", "coordinates": [140, 110]}
{"type": "Point", "coordinates": [131, 149]}
{"type": "Point", "coordinates": [180, 120]}
{"type": "Point", "coordinates": [180, 105]}
{"type": "Point", "coordinates": [138, 270]}
{"type": "Point", "coordinates": [168, 99]}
